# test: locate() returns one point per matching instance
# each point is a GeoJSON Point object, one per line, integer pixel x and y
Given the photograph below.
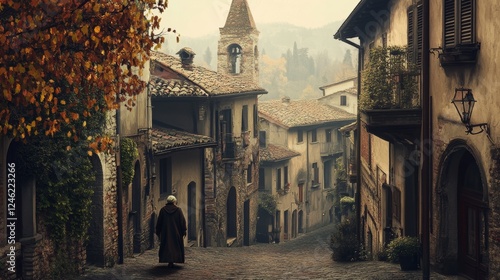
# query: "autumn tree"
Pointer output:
{"type": "Point", "coordinates": [56, 55]}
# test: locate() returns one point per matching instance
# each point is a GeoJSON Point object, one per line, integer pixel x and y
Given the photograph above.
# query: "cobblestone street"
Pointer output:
{"type": "Point", "coordinates": [306, 257]}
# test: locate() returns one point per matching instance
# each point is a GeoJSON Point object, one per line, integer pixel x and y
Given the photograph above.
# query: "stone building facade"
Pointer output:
{"type": "Point", "coordinates": [461, 150]}
{"type": "Point", "coordinates": [300, 144]}
{"type": "Point", "coordinates": [222, 106]}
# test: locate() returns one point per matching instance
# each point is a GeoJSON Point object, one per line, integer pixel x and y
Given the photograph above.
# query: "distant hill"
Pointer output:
{"type": "Point", "coordinates": [274, 40]}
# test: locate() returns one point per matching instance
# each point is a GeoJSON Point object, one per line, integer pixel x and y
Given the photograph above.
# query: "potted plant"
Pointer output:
{"type": "Point", "coordinates": [406, 251]}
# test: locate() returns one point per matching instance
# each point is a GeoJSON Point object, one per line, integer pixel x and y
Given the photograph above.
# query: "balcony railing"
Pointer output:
{"type": "Point", "coordinates": [330, 148]}
{"type": "Point", "coordinates": [390, 81]}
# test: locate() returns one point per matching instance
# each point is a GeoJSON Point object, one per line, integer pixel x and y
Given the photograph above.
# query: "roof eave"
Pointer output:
{"type": "Point", "coordinates": [185, 147]}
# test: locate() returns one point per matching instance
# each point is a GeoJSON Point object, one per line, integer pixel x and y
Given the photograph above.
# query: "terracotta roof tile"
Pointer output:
{"type": "Point", "coordinates": [302, 112]}
{"type": "Point", "coordinates": [199, 80]}
{"type": "Point", "coordinates": [273, 153]}
{"type": "Point", "coordinates": [168, 139]}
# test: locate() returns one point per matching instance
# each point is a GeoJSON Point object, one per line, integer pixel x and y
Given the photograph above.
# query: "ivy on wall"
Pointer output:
{"type": "Point", "coordinates": [64, 176]}
{"type": "Point", "coordinates": [268, 203]}
{"type": "Point", "coordinates": [389, 80]}
{"type": "Point", "coordinates": [128, 155]}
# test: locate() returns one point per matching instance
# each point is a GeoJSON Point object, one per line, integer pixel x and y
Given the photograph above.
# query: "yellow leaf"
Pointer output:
{"type": "Point", "coordinates": [68, 134]}
{"type": "Point", "coordinates": [18, 88]}
{"type": "Point", "coordinates": [85, 29]}
{"type": "Point", "coordinates": [97, 29]}
{"type": "Point", "coordinates": [68, 148]}
{"type": "Point", "coordinates": [7, 95]}
{"type": "Point", "coordinates": [63, 102]}
{"type": "Point", "coordinates": [84, 123]}
{"type": "Point", "coordinates": [89, 153]}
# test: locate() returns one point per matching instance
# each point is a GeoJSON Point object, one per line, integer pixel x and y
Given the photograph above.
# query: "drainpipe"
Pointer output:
{"type": "Point", "coordinates": [357, 139]}
{"type": "Point", "coordinates": [308, 193]}
{"type": "Point", "coordinates": [119, 193]}
{"type": "Point", "coordinates": [425, 145]}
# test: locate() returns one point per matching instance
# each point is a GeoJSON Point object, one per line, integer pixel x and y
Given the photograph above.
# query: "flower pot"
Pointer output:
{"type": "Point", "coordinates": [408, 262]}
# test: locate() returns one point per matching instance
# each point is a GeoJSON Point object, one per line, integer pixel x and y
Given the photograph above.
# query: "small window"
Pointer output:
{"type": "Point", "coordinates": [249, 173]}
{"type": "Point", "coordinates": [314, 135]}
{"type": "Point", "coordinates": [262, 139]}
{"type": "Point", "coordinates": [328, 135]}
{"type": "Point", "coordinates": [315, 174]}
{"type": "Point", "coordinates": [343, 100]}
{"type": "Point", "coordinates": [262, 179]}
{"type": "Point", "coordinates": [285, 175]}
{"type": "Point", "coordinates": [396, 207]}
{"type": "Point", "coordinates": [278, 179]}
{"type": "Point", "coordinates": [244, 118]}
{"type": "Point", "coordinates": [300, 136]}
{"type": "Point", "coordinates": [166, 176]}
{"type": "Point", "coordinates": [301, 192]}
{"type": "Point", "coordinates": [255, 121]}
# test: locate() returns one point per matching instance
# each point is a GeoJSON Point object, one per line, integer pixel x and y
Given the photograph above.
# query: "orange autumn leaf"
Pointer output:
{"type": "Point", "coordinates": [63, 49]}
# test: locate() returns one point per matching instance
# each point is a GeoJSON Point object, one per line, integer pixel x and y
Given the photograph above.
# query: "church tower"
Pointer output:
{"type": "Point", "coordinates": [237, 53]}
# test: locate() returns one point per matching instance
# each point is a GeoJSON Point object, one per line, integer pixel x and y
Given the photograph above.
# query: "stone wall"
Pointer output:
{"type": "Point", "coordinates": [494, 217]}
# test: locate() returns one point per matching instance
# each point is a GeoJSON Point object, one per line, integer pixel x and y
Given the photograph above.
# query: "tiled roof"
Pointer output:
{"type": "Point", "coordinates": [168, 139]}
{"type": "Point", "coordinates": [276, 153]}
{"type": "Point", "coordinates": [302, 112]}
{"type": "Point", "coordinates": [198, 81]}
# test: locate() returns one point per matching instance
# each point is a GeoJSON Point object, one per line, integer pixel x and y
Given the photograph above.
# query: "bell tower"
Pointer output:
{"type": "Point", "coordinates": [237, 53]}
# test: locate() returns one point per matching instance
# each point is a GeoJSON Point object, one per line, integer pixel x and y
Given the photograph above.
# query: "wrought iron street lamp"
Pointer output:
{"type": "Point", "coordinates": [464, 103]}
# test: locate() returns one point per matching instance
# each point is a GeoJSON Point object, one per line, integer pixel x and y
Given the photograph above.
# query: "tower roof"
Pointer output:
{"type": "Point", "coordinates": [239, 16]}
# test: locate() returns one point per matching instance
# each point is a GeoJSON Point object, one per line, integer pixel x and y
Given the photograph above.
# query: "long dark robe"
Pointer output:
{"type": "Point", "coordinates": [171, 228]}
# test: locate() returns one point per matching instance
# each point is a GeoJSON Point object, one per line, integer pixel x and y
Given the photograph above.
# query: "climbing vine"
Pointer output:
{"type": "Point", "coordinates": [128, 154]}
{"type": "Point", "coordinates": [389, 80]}
{"type": "Point", "coordinates": [64, 176]}
{"type": "Point", "coordinates": [268, 203]}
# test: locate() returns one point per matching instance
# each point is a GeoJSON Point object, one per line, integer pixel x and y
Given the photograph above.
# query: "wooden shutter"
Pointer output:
{"type": "Point", "coordinates": [449, 25]}
{"type": "Point", "coordinates": [419, 31]}
{"type": "Point", "coordinates": [415, 28]}
{"type": "Point", "coordinates": [466, 21]}
{"type": "Point", "coordinates": [411, 37]}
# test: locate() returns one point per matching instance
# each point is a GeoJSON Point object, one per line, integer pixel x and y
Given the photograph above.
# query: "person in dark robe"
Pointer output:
{"type": "Point", "coordinates": [171, 230]}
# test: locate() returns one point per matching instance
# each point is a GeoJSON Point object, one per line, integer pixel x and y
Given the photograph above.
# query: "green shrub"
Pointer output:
{"type": "Point", "coordinates": [344, 243]}
{"type": "Point", "coordinates": [405, 246]}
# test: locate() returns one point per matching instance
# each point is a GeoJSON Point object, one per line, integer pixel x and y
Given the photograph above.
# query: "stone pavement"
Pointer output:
{"type": "Point", "coordinates": [306, 257]}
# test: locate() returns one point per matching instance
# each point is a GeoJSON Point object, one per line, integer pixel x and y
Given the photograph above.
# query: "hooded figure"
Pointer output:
{"type": "Point", "coordinates": [171, 229]}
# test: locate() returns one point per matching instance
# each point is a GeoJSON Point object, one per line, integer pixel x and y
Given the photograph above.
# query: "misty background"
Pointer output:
{"type": "Point", "coordinates": [294, 61]}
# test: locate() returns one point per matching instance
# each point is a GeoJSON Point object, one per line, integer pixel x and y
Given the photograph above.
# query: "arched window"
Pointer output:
{"type": "Point", "coordinates": [235, 58]}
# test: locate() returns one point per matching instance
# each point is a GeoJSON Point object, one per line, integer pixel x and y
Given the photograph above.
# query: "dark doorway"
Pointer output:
{"type": "Point", "coordinates": [136, 207]}
{"type": "Point", "coordinates": [246, 223]}
{"type": "Point", "coordinates": [95, 246]}
{"type": "Point", "coordinates": [472, 211]}
{"type": "Point", "coordinates": [192, 209]}
{"type": "Point", "coordinates": [294, 223]}
{"type": "Point", "coordinates": [301, 221]}
{"type": "Point", "coordinates": [231, 213]}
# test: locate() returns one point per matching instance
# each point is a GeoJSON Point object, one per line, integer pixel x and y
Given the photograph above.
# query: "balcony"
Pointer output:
{"type": "Point", "coordinates": [330, 148]}
{"type": "Point", "coordinates": [390, 96]}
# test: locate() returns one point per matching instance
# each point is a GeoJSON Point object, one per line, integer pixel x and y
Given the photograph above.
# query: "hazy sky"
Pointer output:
{"type": "Point", "coordinates": [193, 18]}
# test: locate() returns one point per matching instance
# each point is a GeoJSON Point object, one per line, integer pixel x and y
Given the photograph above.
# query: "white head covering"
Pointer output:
{"type": "Point", "coordinates": [171, 199]}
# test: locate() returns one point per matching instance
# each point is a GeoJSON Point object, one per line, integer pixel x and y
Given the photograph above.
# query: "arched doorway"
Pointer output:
{"type": "Point", "coordinates": [463, 204]}
{"type": "Point", "coordinates": [192, 209]}
{"type": "Point", "coordinates": [294, 224]}
{"type": "Point", "coordinates": [136, 207]}
{"type": "Point", "coordinates": [301, 221]}
{"type": "Point", "coordinates": [231, 214]}
{"type": "Point", "coordinates": [95, 245]}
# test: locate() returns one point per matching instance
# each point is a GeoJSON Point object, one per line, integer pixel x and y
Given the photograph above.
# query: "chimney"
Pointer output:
{"type": "Point", "coordinates": [186, 55]}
